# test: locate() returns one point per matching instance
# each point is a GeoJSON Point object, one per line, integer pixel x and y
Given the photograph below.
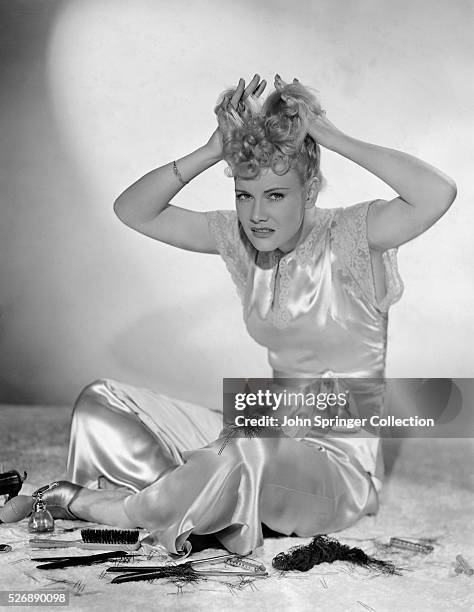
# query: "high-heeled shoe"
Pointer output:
{"type": "Point", "coordinates": [58, 496]}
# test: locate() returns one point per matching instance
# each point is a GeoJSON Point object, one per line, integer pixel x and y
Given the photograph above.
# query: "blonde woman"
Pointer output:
{"type": "Point", "coordinates": [316, 286]}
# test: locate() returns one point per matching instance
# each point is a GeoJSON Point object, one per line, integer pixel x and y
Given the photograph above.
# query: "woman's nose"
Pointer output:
{"type": "Point", "coordinates": [258, 212]}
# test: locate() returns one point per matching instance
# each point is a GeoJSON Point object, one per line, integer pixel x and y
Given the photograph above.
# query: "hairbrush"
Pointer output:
{"type": "Point", "coordinates": [111, 539]}
{"type": "Point", "coordinates": [413, 546]}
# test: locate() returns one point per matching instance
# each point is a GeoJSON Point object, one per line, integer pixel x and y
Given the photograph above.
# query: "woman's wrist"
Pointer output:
{"type": "Point", "coordinates": [195, 163]}
{"type": "Point", "coordinates": [212, 155]}
{"type": "Point", "coordinates": [330, 138]}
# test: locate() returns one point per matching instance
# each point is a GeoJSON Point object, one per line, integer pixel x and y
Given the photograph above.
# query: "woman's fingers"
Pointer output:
{"type": "Point", "coordinates": [255, 87]}
{"type": "Point", "coordinates": [260, 88]}
{"type": "Point", "coordinates": [234, 101]}
{"type": "Point", "coordinates": [279, 82]}
{"type": "Point", "coordinates": [252, 86]}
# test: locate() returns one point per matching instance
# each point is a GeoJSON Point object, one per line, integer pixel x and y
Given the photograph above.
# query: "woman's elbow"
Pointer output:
{"type": "Point", "coordinates": [449, 194]}
{"type": "Point", "coordinates": [120, 209]}
{"type": "Point", "coordinates": [452, 191]}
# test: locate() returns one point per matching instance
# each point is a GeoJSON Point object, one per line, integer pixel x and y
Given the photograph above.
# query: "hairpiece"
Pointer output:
{"type": "Point", "coordinates": [323, 549]}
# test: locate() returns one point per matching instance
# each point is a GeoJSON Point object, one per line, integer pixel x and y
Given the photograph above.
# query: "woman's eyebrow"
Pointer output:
{"type": "Point", "coordinates": [266, 190]}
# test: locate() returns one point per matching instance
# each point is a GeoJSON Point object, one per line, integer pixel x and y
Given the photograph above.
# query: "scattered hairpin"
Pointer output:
{"type": "Point", "coordinates": [462, 566]}
{"type": "Point", "coordinates": [413, 546]}
{"type": "Point", "coordinates": [323, 549]}
{"type": "Point", "coordinates": [250, 431]}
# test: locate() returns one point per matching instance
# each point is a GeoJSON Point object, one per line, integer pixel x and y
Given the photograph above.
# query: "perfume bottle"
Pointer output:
{"type": "Point", "coordinates": [41, 519]}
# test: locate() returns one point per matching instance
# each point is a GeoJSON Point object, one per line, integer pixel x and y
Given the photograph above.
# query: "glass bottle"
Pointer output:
{"type": "Point", "coordinates": [41, 519]}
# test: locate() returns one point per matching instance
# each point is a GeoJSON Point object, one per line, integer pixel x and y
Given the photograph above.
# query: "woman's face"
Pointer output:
{"type": "Point", "coordinates": [271, 209]}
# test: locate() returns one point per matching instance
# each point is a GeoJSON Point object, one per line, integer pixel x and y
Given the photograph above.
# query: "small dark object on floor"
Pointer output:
{"type": "Point", "coordinates": [5, 548]}
{"type": "Point", "coordinates": [11, 483]}
{"type": "Point", "coordinates": [323, 549]}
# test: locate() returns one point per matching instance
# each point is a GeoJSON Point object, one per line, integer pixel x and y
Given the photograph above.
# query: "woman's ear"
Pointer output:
{"type": "Point", "coordinates": [312, 191]}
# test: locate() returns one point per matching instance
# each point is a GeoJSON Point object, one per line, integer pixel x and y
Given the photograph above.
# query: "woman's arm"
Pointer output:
{"type": "Point", "coordinates": [145, 206]}
{"type": "Point", "coordinates": [425, 193]}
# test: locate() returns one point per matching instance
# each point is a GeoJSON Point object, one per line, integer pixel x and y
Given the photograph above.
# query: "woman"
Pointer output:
{"type": "Point", "coordinates": [316, 286]}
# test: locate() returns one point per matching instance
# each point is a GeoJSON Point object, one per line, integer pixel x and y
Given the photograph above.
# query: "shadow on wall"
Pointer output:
{"type": "Point", "coordinates": [36, 176]}
{"type": "Point", "coordinates": [173, 356]}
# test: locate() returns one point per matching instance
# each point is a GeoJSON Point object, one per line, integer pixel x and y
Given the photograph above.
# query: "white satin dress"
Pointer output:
{"type": "Point", "coordinates": [316, 311]}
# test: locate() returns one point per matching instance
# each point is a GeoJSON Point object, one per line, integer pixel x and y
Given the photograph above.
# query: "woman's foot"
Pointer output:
{"type": "Point", "coordinates": [58, 496]}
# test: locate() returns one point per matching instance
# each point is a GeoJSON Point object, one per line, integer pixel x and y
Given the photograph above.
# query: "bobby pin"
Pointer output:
{"type": "Point", "coordinates": [413, 546]}
{"type": "Point", "coordinates": [462, 566]}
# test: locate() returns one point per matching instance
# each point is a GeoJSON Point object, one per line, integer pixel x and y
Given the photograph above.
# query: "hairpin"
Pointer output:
{"type": "Point", "coordinates": [462, 566]}
{"type": "Point", "coordinates": [413, 546]}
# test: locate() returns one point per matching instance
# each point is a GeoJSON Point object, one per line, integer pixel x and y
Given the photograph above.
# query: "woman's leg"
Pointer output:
{"type": "Point", "coordinates": [284, 483]}
{"type": "Point", "coordinates": [129, 436]}
{"type": "Point", "coordinates": [124, 437]}
{"type": "Point", "coordinates": [105, 507]}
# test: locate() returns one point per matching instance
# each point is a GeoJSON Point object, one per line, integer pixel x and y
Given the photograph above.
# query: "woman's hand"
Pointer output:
{"type": "Point", "coordinates": [316, 123]}
{"type": "Point", "coordinates": [256, 88]}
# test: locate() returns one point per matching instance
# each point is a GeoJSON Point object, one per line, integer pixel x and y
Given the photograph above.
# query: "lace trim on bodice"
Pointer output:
{"type": "Point", "coordinates": [349, 242]}
{"type": "Point", "coordinates": [348, 233]}
{"type": "Point", "coordinates": [225, 229]}
{"type": "Point", "coordinates": [304, 253]}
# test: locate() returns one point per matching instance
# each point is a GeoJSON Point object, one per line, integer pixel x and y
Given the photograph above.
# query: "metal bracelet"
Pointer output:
{"type": "Point", "coordinates": [178, 175]}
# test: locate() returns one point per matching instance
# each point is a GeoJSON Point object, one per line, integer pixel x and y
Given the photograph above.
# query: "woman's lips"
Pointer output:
{"type": "Point", "coordinates": [261, 232]}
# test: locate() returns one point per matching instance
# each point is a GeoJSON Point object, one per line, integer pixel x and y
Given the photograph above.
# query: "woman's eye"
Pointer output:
{"type": "Point", "coordinates": [276, 196]}
{"type": "Point", "coordinates": [242, 196]}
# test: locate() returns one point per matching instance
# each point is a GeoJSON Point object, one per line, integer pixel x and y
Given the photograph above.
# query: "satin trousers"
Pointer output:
{"type": "Point", "coordinates": [183, 479]}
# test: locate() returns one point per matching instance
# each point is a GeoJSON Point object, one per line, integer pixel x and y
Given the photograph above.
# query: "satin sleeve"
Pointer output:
{"type": "Point", "coordinates": [232, 245]}
{"type": "Point", "coordinates": [349, 239]}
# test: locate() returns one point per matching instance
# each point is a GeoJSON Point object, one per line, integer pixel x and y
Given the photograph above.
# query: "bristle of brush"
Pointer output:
{"type": "Point", "coordinates": [110, 536]}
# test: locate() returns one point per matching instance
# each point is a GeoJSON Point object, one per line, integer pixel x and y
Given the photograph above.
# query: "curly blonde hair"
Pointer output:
{"type": "Point", "coordinates": [270, 135]}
